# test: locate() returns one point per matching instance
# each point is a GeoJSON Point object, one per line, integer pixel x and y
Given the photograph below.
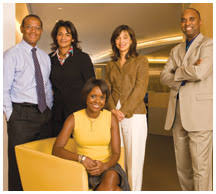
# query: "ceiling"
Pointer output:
{"type": "Point", "coordinates": [96, 22]}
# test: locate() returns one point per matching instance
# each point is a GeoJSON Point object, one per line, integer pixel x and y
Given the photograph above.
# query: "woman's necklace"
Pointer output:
{"type": "Point", "coordinates": [63, 52]}
{"type": "Point", "coordinates": [63, 55]}
{"type": "Point", "coordinates": [92, 121]}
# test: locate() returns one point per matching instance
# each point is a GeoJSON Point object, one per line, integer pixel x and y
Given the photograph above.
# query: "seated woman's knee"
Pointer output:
{"type": "Point", "coordinates": [110, 180]}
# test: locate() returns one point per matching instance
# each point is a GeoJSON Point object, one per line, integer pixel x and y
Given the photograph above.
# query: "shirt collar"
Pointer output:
{"type": "Point", "coordinates": [70, 51]}
{"type": "Point", "coordinates": [188, 43]}
{"type": "Point", "coordinates": [27, 46]}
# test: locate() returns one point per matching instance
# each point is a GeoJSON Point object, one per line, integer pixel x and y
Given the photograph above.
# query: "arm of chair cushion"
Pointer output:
{"type": "Point", "coordinates": [44, 172]}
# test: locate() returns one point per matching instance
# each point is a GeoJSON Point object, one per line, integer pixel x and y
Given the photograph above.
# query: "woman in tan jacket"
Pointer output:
{"type": "Point", "coordinates": [127, 76]}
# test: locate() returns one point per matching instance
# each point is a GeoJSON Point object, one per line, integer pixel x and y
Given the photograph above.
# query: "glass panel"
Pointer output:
{"type": "Point", "coordinates": [100, 71]}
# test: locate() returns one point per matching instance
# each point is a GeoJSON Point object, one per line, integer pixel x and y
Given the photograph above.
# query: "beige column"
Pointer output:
{"type": "Point", "coordinates": [206, 13]}
{"type": "Point", "coordinates": [12, 18]}
{"type": "Point", "coordinates": [9, 31]}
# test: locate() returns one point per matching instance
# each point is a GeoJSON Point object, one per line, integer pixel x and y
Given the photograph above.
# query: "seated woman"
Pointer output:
{"type": "Point", "coordinates": [96, 134]}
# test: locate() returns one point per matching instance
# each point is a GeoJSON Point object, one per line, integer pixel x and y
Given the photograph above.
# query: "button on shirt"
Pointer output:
{"type": "Point", "coordinates": [19, 76]}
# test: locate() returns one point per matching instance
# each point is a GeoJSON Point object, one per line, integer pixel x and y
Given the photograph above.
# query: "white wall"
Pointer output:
{"type": "Point", "coordinates": [9, 32]}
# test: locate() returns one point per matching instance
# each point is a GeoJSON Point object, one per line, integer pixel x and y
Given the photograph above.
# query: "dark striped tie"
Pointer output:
{"type": "Point", "coordinates": [39, 81]}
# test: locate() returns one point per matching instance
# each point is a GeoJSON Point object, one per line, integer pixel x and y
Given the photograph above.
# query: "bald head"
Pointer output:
{"type": "Point", "coordinates": [195, 10]}
{"type": "Point", "coordinates": [190, 23]}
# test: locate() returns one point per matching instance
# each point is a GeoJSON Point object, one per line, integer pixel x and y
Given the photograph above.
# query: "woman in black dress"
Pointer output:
{"type": "Point", "coordinates": [70, 69]}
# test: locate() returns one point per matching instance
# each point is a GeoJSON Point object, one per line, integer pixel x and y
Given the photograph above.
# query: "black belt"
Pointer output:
{"type": "Point", "coordinates": [25, 104]}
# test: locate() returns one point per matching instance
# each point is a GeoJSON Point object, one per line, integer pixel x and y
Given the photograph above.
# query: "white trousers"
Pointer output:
{"type": "Point", "coordinates": [133, 132]}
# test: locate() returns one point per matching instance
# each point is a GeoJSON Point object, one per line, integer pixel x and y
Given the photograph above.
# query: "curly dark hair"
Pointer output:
{"type": "Point", "coordinates": [132, 50]}
{"type": "Point", "coordinates": [69, 26]}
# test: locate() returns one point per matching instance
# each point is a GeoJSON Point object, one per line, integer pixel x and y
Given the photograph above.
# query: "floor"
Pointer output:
{"type": "Point", "coordinates": [159, 172]}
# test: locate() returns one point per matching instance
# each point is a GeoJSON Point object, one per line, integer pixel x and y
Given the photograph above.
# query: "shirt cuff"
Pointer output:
{"type": "Point", "coordinates": [8, 114]}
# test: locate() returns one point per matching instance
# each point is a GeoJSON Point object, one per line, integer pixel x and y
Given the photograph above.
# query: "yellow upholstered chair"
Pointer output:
{"type": "Point", "coordinates": [41, 171]}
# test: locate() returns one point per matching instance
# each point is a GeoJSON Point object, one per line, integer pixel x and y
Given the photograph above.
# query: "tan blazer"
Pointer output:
{"type": "Point", "coordinates": [128, 84]}
{"type": "Point", "coordinates": [196, 97]}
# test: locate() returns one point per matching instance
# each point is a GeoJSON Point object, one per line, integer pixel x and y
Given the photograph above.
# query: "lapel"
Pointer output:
{"type": "Point", "coordinates": [182, 53]}
{"type": "Point", "coordinates": [117, 64]}
{"type": "Point", "coordinates": [192, 47]}
{"type": "Point", "coordinates": [56, 61]}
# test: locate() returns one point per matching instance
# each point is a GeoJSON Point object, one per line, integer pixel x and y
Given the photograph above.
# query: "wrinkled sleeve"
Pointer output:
{"type": "Point", "coordinates": [9, 64]}
{"type": "Point", "coordinates": [191, 72]}
{"type": "Point", "coordinates": [110, 104]}
{"type": "Point", "coordinates": [140, 88]}
{"type": "Point", "coordinates": [167, 75]}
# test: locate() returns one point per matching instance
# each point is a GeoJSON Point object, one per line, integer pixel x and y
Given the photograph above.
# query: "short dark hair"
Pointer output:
{"type": "Point", "coordinates": [31, 16]}
{"type": "Point", "coordinates": [198, 13]}
{"type": "Point", "coordinates": [132, 50]}
{"type": "Point", "coordinates": [69, 26]}
{"type": "Point", "coordinates": [93, 82]}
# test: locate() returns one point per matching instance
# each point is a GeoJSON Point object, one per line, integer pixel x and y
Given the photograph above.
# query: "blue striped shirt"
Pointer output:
{"type": "Point", "coordinates": [19, 82]}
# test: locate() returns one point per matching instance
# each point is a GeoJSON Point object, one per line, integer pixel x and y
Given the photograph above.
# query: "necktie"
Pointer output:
{"type": "Point", "coordinates": [39, 81]}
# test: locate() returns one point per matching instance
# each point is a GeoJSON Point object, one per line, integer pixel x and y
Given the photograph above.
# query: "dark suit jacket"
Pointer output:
{"type": "Point", "coordinates": [68, 81]}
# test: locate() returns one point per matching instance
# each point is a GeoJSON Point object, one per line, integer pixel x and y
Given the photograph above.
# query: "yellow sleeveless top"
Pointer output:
{"type": "Point", "coordinates": [93, 136]}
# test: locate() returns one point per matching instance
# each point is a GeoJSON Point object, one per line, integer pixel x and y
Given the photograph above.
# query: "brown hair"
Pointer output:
{"type": "Point", "coordinates": [132, 50]}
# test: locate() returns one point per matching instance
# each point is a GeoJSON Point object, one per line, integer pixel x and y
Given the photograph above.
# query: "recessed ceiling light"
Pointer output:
{"type": "Point", "coordinates": [145, 44]}
{"type": "Point", "coordinates": [157, 60]}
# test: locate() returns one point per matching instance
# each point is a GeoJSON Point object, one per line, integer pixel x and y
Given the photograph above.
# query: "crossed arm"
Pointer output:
{"type": "Point", "coordinates": [200, 69]}
{"type": "Point", "coordinates": [173, 74]}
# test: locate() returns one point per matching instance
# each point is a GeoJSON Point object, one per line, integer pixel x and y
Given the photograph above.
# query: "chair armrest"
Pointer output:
{"type": "Point", "coordinates": [121, 159]}
{"type": "Point", "coordinates": [44, 172]}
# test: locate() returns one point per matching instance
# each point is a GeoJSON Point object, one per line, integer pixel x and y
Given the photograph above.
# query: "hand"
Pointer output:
{"type": "Point", "coordinates": [173, 71]}
{"type": "Point", "coordinates": [119, 115]}
{"type": "Point", "coordinates": [89, 163]}
{"type": "Point", "coordinates": [98, 169]}
{"type": "Point", "coordinates": [198, 62]}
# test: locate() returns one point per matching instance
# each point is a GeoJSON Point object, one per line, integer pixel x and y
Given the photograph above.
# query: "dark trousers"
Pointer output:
{"type": "Point", "coordinates": [25, 124]}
